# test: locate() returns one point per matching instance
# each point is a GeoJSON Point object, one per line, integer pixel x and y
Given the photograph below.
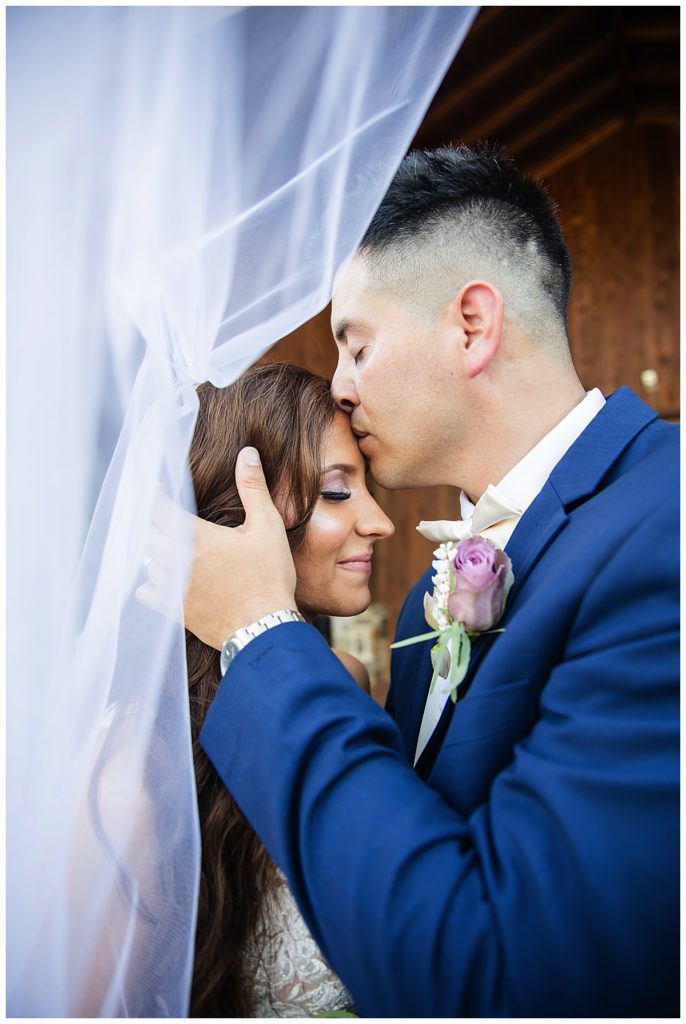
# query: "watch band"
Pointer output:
{"type": "Point", "coordinates": [242, 637]}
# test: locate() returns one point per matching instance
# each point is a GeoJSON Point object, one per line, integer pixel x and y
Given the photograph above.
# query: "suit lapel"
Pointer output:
{"type": "Point", "coordinates": [535, 531]}
{"type": "Point", "coordinates": [579, 474]}
{"type": "Point", "coordinates": [575, 478]}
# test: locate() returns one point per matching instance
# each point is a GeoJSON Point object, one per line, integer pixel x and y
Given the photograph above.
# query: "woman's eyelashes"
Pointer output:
{"type": "Point", "coordinates": [335, 495]}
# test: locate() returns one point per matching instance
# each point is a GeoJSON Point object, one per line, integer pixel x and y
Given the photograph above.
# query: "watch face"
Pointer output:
{"type": "Point", "coordinates": [229, 652]}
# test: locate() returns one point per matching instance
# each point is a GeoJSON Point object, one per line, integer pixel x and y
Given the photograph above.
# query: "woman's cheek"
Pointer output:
{"type": "Point", "coordinates": [326, 533]}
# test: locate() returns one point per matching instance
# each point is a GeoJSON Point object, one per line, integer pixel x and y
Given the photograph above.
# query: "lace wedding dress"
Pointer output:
{"type": "Point", "coordinates": [291, 977]}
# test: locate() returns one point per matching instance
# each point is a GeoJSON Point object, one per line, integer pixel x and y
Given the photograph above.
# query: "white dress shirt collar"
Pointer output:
{"type": "Point", "coordinates": [525, 480]}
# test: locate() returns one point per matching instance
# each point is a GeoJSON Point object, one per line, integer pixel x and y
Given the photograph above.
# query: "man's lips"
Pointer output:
{"type": "Point", "coordinates": [361, 437]}
{"type": "Point", "coordinates": [357, 563]}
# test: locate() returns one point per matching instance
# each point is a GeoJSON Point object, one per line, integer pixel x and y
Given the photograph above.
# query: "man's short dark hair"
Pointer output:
{"type": "Point", "coordinates": [482, 186]}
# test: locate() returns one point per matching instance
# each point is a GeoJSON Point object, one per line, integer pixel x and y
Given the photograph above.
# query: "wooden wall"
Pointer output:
{"type": "Point", "coordinates": [619, 209]}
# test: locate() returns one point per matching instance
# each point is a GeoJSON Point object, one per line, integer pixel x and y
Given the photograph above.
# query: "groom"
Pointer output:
{"type": "Point", "coordinates": [516, 853]}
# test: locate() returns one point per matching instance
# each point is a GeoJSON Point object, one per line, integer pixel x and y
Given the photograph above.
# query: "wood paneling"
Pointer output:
{"type": "Point", "coordinates": [311, 346]}
{"type": "Point", "coordinates": [619, 210]}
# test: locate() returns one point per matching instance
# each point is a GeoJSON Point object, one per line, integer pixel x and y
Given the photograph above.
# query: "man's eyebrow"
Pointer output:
{"type": "Point", "coordinates": [344, 327]}
{"type": "Point", "coordinates": [341, 329]}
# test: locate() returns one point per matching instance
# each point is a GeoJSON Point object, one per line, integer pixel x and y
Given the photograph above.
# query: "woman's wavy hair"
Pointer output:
{"type": "Point", "coordinates": [284, 412]}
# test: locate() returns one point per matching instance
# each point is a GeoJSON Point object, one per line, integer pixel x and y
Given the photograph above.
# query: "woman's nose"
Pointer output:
{"type": "Point", "coordinates": [375, 523]}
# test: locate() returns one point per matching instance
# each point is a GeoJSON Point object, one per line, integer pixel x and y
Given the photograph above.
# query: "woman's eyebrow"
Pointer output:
{"type": "Point", "coordinates": [341, 466]}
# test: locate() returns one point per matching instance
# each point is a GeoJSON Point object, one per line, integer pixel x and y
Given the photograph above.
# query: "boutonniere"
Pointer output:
{"type": "Point", "coordinates": [471, 583]}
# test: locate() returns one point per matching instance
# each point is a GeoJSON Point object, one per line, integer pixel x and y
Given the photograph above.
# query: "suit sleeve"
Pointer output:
{"type": "Point", "coordinates": [558, 896]}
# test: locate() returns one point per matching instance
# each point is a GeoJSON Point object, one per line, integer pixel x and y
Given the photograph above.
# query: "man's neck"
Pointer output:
{"type": "Point", "coordinates": [513, 433]}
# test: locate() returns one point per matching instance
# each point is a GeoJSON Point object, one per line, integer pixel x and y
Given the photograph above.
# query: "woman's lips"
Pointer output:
{"type": "Point", "coordinates": [358, 563]}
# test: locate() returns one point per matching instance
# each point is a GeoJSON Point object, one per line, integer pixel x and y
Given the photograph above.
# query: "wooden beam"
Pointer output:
{"type": "Point", "coordinates": [531, 130]}
{"type": "Point", "coordinates": [653, 32]}
{"type": "Point", "coordinates": [654, 74]}
{"type": "Point", "coordinates": [494, 65]}
{"type": "Point", "coordinates": [576, 144]}
{"type": "Point", "coordinates": [485, 21]}
{"type": "Point", "coordinates": [495, 121]}
{"type": "Point", "coordinates": [648, 113]}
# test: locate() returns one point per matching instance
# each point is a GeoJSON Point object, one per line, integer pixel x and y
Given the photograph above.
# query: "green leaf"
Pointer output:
{"type": "Point", "coordinates": [335, 1013]}
{"type": "Point", "coordinates": [460, 662]}
{"type": "Point", "coordinates": [415, 639]}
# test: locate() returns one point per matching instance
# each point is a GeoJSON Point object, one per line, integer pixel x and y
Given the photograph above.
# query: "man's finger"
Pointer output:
{"type": "Point", "coordinates": [169, 517]}
{"type": "Point", "coordinates": [159, 546]}
{"type": "Point", "coordinates": [160, 601]}
{"type": "Point", "coordinates": [252, 488]}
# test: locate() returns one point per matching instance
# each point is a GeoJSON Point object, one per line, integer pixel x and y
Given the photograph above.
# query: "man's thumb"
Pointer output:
{"type": "Point", "coordinates": [252, 487]}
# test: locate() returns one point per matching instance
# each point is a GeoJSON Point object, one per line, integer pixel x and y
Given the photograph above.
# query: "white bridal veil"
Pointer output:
{"type": "Point", "coordinates": [182, 184]}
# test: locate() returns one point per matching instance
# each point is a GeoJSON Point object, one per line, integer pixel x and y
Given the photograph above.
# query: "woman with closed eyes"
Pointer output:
{"type": "Point", "coordinates": [254, 955]}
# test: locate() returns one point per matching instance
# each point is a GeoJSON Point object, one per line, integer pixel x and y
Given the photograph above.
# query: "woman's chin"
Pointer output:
{"type": "Point", "coordinates": [353, 606]}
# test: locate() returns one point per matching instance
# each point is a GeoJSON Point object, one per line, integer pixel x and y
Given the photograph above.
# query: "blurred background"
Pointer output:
{"type": "Point", "coordinates": [588, 99]}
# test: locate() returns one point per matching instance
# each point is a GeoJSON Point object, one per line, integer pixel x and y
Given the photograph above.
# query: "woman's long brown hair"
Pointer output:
{"type": "Point", "coordinates": [285, 413]}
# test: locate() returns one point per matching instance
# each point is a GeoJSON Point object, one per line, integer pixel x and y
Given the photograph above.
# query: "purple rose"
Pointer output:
{"type": "Point", "coordinates": [483, 577]}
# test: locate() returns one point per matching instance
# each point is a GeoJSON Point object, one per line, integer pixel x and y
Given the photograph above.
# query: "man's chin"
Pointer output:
{"type": "Point", "coordinates": [391, 478]}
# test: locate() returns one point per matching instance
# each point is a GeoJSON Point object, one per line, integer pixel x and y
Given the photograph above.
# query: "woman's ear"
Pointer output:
{"type": "Point", "coordinates": [478, 310]}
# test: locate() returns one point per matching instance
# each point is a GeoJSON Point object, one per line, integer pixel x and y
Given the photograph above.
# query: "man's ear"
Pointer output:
{"type": "Point", "coordinates": [478, 311]}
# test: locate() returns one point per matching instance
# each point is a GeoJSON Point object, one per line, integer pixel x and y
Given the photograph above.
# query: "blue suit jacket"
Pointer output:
{"type": "Point", "coordinates": [529, 867]}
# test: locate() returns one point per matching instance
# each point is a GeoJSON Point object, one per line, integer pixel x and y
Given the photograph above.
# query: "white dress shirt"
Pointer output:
{"type": "Point", "coordinates": [519, 487]}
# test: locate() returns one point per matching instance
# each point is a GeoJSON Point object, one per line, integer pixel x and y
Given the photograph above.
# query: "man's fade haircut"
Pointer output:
{"type": "Point", "coordinates": [456, 214]}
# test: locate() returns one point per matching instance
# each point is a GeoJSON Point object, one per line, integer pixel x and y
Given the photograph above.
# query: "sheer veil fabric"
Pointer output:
{"type": "Point", "coordinates": [182, 185]}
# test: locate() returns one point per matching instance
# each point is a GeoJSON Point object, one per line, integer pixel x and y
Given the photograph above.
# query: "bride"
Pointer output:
{"type": "Point", "coordinates": [254, 955]}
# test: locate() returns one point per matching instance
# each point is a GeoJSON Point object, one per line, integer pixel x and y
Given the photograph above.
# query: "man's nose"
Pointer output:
{"type": "Point", "coordinates": [343, 390]}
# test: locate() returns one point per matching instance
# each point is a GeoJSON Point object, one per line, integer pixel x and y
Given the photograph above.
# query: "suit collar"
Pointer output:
{"type": "Point", "coordinates": [576, 477]}
{"type": "Point", "coordinates": [525, 480]}
{"type": "Point", "coordinates": [580, 471]}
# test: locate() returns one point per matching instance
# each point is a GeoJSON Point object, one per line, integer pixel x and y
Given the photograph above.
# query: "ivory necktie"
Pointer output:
{"type": "Point", "coordinates": [493, 517]}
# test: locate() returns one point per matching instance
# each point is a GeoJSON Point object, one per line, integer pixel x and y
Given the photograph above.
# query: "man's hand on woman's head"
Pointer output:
{"type": "Point", "coordinates": [238, 574]}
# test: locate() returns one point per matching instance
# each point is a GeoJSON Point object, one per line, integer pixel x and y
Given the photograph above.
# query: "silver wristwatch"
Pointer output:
{"type": "Point", "coordinates": [242, 637]}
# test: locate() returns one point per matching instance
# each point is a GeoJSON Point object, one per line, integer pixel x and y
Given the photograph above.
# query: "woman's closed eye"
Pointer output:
{"type": "Point", "coordinates": [335, 483]}
{"type": "Point", "coordinates": [335, 495]}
